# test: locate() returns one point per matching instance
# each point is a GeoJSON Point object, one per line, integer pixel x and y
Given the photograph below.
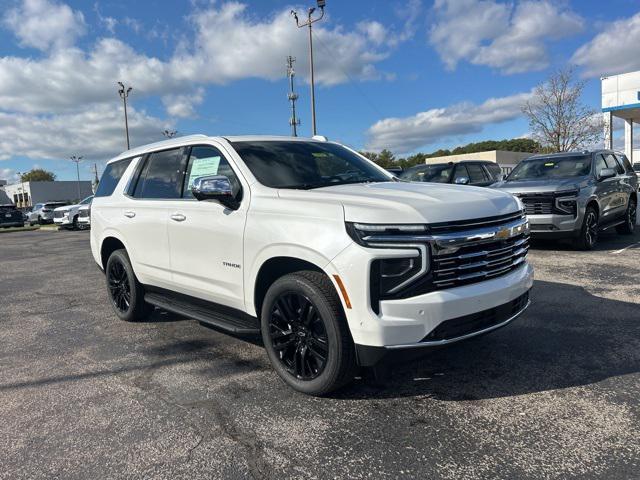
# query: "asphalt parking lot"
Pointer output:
{"type": "Point", "coordinates": [83, 395]}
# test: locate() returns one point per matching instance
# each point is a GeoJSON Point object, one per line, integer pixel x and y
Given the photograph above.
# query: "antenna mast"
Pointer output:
{"type": "Point", "coordinates": [293, 96]}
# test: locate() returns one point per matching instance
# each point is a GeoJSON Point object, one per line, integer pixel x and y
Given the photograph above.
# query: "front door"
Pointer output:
{"type": "Point", "coordinates": [206, 238]}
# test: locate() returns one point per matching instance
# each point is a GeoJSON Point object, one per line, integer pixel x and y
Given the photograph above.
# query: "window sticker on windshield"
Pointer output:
{"type": "Point", "coordinates": [203, 167]}
{"type": "Point", "coordinates": [549, 164]}
{"type": "Point", "coordinates": [320, 154]}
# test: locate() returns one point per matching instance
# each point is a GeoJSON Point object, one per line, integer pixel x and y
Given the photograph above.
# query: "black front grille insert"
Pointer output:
{"type": "Point", "coordinates": [58, 214]}
{"type": "Point", "coordinates": [475, 322]}
{"type": "Point", "coordinates": [462, 225]}
{"type": "Point", "coordinates": [83, 213]}
{"type": "Point", "coordinates": [538, 204]}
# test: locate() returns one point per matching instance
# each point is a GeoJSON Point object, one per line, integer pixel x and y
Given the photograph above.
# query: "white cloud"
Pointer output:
{"type": "Point", "coordinates": [44, 24]}
{"type": "Point", "coordinates": [510, 38]}
{"type": "Point", "coordinates": [403, 135]}
{"type": "Point", "coordinates": [96, 134]}
{"type": "Point", "coordinates": [8, 174]}
{"type": "Point", "coordinates": [183, 106]}
{"type": "Point", "coordinates": [612, 51]}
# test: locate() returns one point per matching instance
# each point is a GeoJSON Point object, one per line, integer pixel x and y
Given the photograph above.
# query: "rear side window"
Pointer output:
{"type": "Point", "coordinates": [613, 163]}
{"type": "Point", "coordinates": [625, 162]}
{"type": "Point", "coordinates": [162, 175]}
{"type": "Point", "coordinates": [111, 176]}
{"type": "Point", "coordinates": [476, 174]}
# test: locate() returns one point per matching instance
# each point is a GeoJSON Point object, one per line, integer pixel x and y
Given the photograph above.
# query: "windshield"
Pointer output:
{"type": "Point", "coordinates": [54, 205]}
{"type": "Point", "coordinates": [551, 167]}
{"type": "Point", "coordinates": [86, 201]}
{"type": "Point", "coordinates": [431, 173]}
{"type": "Point", "coordinates": [306, 165]}
{"type": "Point", "coordinates": [7, 208]}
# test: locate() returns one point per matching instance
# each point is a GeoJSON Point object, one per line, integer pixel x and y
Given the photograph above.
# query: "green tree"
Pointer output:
{"type": "Point", "coordinates": [38, 175]}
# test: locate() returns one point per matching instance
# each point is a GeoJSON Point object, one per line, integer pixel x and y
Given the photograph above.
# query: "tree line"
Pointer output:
{"type": "Point", "coordinates": [387, 159]}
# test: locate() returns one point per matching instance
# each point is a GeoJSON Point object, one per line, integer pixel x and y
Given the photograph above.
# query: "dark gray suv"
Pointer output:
{"type": "Point", "coordinates": [576, 194]}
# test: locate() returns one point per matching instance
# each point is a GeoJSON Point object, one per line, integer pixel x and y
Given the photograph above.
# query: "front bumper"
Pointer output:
{"type": "Point", "coordinates": [554, 226]}
{"type": "Point", "coordinates": [452, 331]}
{"type": "Point", "coordinates": [62, 221]}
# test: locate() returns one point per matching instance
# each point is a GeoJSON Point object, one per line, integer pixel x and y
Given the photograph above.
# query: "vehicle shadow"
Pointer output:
{"type": "Point", "coordinates": [608, 241]}
{"type": "Point", "coordinates": [567, 338]}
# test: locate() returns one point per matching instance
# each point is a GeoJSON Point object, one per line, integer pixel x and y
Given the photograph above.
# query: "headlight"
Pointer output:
{"type": "Point", "coordinates": [567, 202]}
{"type": "Point", "coordinates": [391, 276]}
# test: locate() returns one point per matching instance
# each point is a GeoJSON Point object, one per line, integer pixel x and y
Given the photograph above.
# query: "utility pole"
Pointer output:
{"type": "Point", "coordinates": [170, 133]}
{"type": "Point", "coordinates": [124, 94]}
{"type": "Point", "coordinates": [22, 199]}
{"type": "Point", "coordinates": [310, 21]}
{"type": "Point", "coordinates": [77, 161]}
{"type": "Point", "coordinates": [293, 96]}
{"type": "Point", "coordinates": [96, 179]}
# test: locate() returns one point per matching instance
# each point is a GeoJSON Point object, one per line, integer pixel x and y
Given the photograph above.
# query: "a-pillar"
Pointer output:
{"type": "Point", "coordinates": [628, 138]}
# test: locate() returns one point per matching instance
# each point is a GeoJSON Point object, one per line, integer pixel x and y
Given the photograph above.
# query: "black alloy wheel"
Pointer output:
{"type": "Point", "coordinates": [119, 286]}
{"type": "Point", "coordinates": [299, 336]}
{"type": "Point", "coordinates": [589, 232]}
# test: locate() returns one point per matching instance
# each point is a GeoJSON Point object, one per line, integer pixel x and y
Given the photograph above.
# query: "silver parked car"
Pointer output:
{"type": "Point", "coordinates": [42, 213]}
{"type": "Point", "coordinates": [576, 194]}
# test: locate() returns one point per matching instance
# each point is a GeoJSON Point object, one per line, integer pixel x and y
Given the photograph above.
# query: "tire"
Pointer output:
{"type": "Point", "coordinates": [74, 226]}
{"type": "Point", "coordinates": [296, 342]}
{"type": "Point", "coordinates": [630, 218]}
{"type": "Point", "coordinates": [588, 236]}
{"type": "Point", "coordinates": [39, 220]}
{"type": "Point", "coordinates": [125, 292]}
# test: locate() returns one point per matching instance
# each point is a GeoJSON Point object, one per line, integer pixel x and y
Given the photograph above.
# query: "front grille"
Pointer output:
{"type": "Point", "coordinates": [475, 322]}
{"type": "Point", "coordinates": [538, 204]}
{"type": "Point", "coordinates": [475, 263]}
{"type": "Point", "coordinates": [58, 214]}
{"type": "Point", "coordinates": [462, 225]}
{"type": "Point", "coordinates": [83, 213]}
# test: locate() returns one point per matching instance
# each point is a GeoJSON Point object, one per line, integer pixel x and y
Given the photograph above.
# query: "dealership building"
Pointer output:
{"type": "Point", "coordinates": [621, 99]}
{"type": "Point", "coordinates": [27, 194]}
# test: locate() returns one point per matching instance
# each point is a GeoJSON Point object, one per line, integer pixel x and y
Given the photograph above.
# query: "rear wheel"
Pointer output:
{"type": "Point", "coordinates": [630, 218]}
{"type": "Point", "coordinates": [75, 223]}
{"type": "Point", "coordinates": [125, 292]}
{"type": "Point", "coordinates": [306, 335]}
{"type": "Point", "coordinates": [588, 236]}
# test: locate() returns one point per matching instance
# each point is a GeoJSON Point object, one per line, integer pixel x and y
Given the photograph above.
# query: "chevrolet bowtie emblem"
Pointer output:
{"type": "Point", "coordinates": [503, 234]}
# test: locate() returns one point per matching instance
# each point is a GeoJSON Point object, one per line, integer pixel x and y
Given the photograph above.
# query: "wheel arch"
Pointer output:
{"type": "Point", "coordinates": [110, 244]}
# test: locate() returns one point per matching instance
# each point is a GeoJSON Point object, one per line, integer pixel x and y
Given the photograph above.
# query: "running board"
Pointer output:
{"type": "Point", "coordinates": [208, 313]}
{"type": "Point", "coordinates": [611, 225]}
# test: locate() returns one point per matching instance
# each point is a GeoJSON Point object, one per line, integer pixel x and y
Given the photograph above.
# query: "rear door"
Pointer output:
{"type": "Point", "coordinates": [206, 238]}
{"type": "Point", "coordinates": [619, 201]}
{"type": "Point", "coordinates": [629, 182]}
{"type": "Point", "coordinates": [157, 181]}
{"type": "Point", "coordinates": [606, 190]}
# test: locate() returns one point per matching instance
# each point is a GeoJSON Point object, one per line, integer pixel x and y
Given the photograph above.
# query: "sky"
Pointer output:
{"type": "Point", "coordinates": [407, 75]}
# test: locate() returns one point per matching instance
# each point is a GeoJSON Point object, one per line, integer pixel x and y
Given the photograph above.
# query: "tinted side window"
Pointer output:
{"type": "Point", "coordinates": [613, 163]}
{"type": "Point", "coordinates": [625, 162]}
{"type": "Point", "coordinates": [205, 161]}
{"type": "Point", "coordinates": [494, 170]}
{"type": "Point", "coordinates": [162, 175]}
{"type": "Point", "coordinates": [476, 174]}
{"type": "Point", "coordinates": [111, 176]}
{"type": "Point", "coordinates": [600, 164]}
{"type": "Point", "coordinates": [461, 171]}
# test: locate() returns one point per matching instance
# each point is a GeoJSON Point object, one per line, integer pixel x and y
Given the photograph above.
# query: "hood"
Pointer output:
{"type": "Point", "coordinates": [66, 208]}
{"type": "Point", "coordinates": [411, 202]}
{"type": "Point", "coordinates": [540, 186]}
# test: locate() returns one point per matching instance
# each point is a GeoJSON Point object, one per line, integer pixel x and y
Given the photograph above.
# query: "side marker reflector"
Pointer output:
{"type": "Point", "coordinates": [343, 290]}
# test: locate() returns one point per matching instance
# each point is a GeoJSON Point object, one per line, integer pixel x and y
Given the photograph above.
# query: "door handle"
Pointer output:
{"type": "Point", "coordinates": [178, 217]}
{"type": "Point", "coordinates": [129, 213]}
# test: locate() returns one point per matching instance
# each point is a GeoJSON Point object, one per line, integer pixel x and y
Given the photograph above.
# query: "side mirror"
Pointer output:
{"type": "Point", "coordinates": [215, 187]}
{"type": "Point", "coordinates": [462, 181]}
{"type": "Point", "coordinates": [606, 173]}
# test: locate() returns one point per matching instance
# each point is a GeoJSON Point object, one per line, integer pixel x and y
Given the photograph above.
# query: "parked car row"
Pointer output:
{"type": "Point", "coordinates": [68, 216]}
{"type": "Point", "coordinates": [565, 195]}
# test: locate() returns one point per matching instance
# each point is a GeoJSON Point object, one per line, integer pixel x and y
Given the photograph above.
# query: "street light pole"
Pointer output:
{"type": "Point", "coordinates": [310, 21]}
{"type": "Point", "coordinates": [77, 160]}
{"type": "Point", "coordinates": [22, 200]}
{"type": "Point", "coordinates": [124, 94]}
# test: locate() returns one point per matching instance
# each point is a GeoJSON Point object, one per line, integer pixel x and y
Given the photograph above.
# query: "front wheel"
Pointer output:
{"type": "Point", "coordinates": [125, 292]}
{"type": "Point", "coordinates": [588, 236]}
{"type": "Point", "coordinates": [306, 335]}
{"type": "Point", "coordinates": [630, 218]}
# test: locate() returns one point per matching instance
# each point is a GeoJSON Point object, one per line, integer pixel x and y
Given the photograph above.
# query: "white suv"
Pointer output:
{"type": "Point", "coordinates": [331, 258]}
{"type": "Point", "coordinates": [68, 216]}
